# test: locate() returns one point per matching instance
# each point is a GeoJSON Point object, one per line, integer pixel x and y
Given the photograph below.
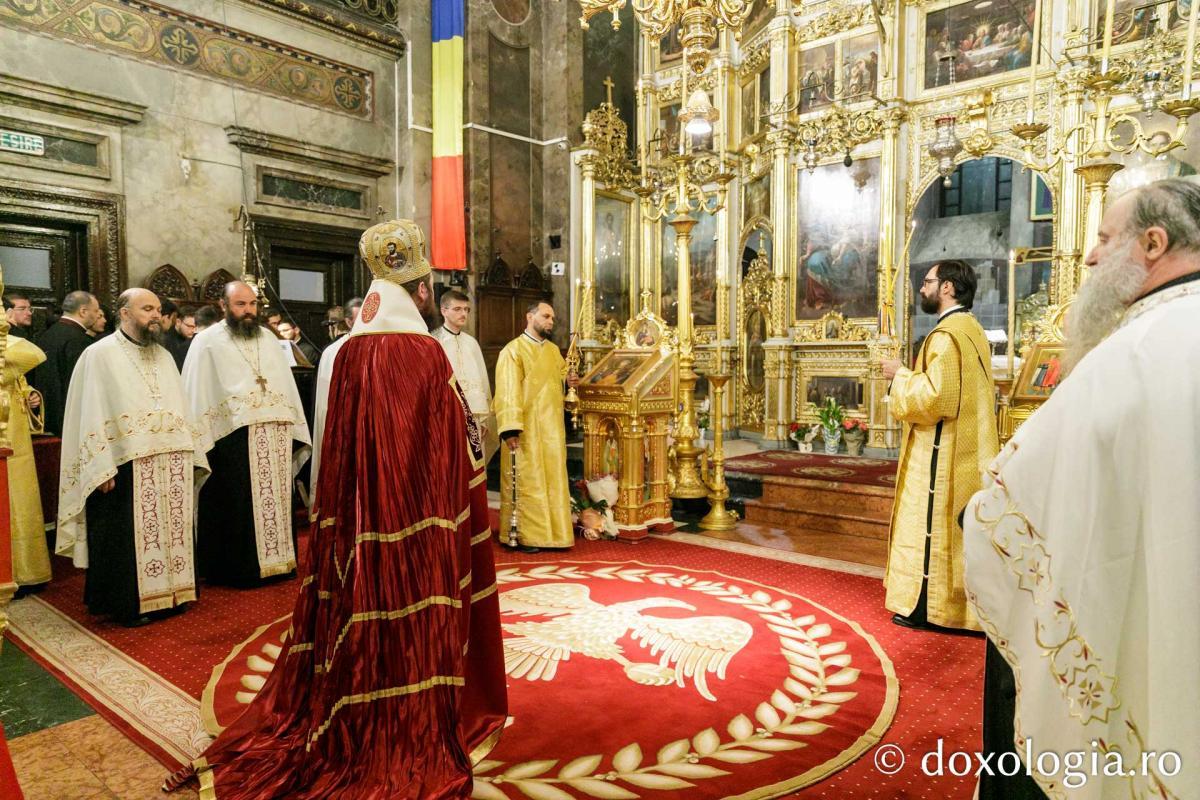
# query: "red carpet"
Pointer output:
{"type": "Point", "coordinates": [816, 466]}
{"type": "Point", "coordinates": [706, 734]}
{"type": "Point", "coordinates": [564, 725]}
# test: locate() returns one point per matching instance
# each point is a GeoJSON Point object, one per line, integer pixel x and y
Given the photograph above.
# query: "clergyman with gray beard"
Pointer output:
{"type": "Point", "coordinates": [1083, 547]}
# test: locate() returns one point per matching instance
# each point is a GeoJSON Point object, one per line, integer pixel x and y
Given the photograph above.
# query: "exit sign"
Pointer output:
{"type": "Point", "coordinates": [27, 143]}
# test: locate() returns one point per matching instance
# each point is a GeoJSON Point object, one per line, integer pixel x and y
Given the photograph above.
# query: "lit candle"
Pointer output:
{"type": "Point", "coordinates": [1108, 33]}
{"type": "Point", "coordinates": [1190, 52]}
{"type": "Point", "coordinates": [1033, 58]}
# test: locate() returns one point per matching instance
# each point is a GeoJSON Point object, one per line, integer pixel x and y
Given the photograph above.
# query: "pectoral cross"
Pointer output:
{"type": "Point", "coordinates": [262, 384]}
{"type": "Point", "coordinates": [608, 85]}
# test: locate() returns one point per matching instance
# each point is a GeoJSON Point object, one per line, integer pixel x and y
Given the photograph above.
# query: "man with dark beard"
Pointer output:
{"type": "Point", "coordinates": [392, 682]}
{"type": "Point", "coordinates": [245, 401]}
{"type": "Point", "coordinates": [1083, 547]}
{"type": "Point", "coordinates": [947, 405]}
{"type": "Point", "coordinates": [130, 458]}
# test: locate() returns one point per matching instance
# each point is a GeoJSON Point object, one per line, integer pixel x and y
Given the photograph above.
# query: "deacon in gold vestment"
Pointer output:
{"type": "Point", "coordinates": [30, 555]}
{"type": "Point", "coordinates": [529, 416]}
{"type": "Point", "coordinates": [947, 407]}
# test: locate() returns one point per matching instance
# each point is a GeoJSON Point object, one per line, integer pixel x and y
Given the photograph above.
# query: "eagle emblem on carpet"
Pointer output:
{"type": "Point", "coordinates": [656, 681]}
{"type": "Point", "coordinates": [688, 649]}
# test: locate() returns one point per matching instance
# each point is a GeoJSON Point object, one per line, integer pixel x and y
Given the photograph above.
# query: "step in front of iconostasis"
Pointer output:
{"type": "Point", "coordinates": [830, 519]}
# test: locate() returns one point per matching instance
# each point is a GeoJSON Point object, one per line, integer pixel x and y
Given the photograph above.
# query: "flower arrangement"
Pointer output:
{"type": "Point", "coordinates": [702, 419]}
{"type": "Point", "coordinates": [854, 428]}
{"type": "Point", "coordinates": [831, 414]}
{"type": "Point", "coordinates": [581, 500]}
{"type": "Point", "coordinates": [803, 436]}
{"type": "Point", "coordinates": [591, 501]}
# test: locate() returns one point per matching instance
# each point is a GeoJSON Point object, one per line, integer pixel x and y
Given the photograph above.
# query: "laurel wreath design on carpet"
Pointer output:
{"type": "Point", "coordinates": [820, 671]}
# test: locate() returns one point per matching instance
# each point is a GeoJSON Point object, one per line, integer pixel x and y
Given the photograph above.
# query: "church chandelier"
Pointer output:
{"type": "Point", "coordinates": [699, 21]}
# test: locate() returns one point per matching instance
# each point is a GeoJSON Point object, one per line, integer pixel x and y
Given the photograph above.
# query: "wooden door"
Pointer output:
{"type": "Point", "coordinates": [43, 260]}
{"type": "Point", "coordinates": [501, 300]}
{"type": "Point", "coordinates": [309, 269]}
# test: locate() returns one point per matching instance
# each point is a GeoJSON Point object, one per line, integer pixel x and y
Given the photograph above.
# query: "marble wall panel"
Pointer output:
{"type": "Point", "coordinates": [182, 179]}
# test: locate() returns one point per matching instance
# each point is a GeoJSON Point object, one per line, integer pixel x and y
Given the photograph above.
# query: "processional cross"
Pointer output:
{"type": "Point", "coordinates": [608, 86]}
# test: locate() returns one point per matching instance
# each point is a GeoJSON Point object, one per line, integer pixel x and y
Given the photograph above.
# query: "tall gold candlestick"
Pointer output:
{"type": "Point", "coordinates": [718, 517]}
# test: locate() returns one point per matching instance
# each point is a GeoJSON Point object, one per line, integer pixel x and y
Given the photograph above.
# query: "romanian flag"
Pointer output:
{"type": "Point", "coordinates": [448, 237]}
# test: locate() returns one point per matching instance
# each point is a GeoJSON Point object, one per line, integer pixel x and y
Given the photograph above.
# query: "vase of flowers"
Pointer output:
{"type": "Point", "coordinates": [832, 415]}
{"type": "Point", "coordinates": [802, 436]}
{"type": "Point", "coordinates": [854, 431]}
{"type": "Point", "coordinates": [702, 419]}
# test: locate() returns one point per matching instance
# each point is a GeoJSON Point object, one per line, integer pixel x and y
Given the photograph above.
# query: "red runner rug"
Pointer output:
{"type": "Point", "coordinates": [645, 732]}
{"type": "Point", "coordinates": [816, 466]}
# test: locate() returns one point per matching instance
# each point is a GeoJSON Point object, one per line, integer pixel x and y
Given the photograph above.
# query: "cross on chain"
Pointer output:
{"type": "Point", "coordinates": [262, 384]}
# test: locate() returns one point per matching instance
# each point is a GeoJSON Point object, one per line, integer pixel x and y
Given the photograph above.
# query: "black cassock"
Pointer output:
{"type": "Point", "coordinates": [63, 342]}
{"type": "Point", "coordinates": [999, 706]}
{"type": "Point", "coordinates": [227, 547]}
{"type": "Point", "coordinates": [111, 583]}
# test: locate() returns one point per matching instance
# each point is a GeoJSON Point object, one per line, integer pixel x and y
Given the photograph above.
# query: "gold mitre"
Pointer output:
{"type": "Point", "coordinates": [395, 251]}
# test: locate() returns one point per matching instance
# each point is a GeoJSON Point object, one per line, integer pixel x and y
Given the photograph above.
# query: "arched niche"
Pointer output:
{"type": "Point", "coordinates": [992, 208]}
{"type": "Point", "coordinates": [757, 239]}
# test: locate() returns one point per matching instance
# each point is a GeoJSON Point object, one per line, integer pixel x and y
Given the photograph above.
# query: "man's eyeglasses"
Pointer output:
{"type": "Point", "coordinates": [928, 281]}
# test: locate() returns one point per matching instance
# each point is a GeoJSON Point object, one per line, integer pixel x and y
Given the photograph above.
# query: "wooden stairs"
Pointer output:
{"type": "Point", "coordinates": [830, 519]}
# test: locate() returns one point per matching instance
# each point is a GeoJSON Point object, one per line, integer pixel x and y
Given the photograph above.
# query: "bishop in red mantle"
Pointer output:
{"type": "Point", "coordinates": [391, 682]}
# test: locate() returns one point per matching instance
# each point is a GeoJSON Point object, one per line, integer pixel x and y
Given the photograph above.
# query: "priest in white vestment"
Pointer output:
{"type": "Point", "coordinates": [320, 412]}
{"type": "Point", "coordinates": [244, 399]}
{"type": "Point", "coordinates": [469, 368]}
{"type": "Point", "coordinates": [131, 457]}
{"type": "Point", "coordinates": [1083, 547]}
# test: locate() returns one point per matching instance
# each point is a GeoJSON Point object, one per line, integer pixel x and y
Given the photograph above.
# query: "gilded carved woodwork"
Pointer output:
{"type": "Point", "coordinates": [840, 131]}
{"type": "Point", "coordinates": [1045, 122]}
{"type": "Point", "coordinates": [833, 22]}
{"type": "Point", "coordinates": [606, 134]}
{"type": "Point", "coordinates": [754, 311]}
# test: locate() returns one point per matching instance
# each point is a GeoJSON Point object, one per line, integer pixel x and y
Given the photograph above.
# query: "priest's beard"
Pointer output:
{"type": "Point", "coordinates": [1111, 287]}
{"type": "Point", "coordinates": [243, 327]}
{"type": "Point", "coordinates": [930, 305]}
{"type": "Point", "coordinates": [148, 334]}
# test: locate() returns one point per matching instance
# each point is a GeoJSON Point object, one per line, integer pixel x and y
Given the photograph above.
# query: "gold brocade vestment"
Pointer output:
{"type": "Point", "coordinates": [529, 399]}
{"type": "Point", "coordinates": [947, 407]}
{"type": "Point", "coordinates": [31, 556]}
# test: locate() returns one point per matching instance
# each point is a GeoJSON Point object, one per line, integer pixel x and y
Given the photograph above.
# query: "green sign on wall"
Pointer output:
{"type": "Point", "coordinates": [17, 142]}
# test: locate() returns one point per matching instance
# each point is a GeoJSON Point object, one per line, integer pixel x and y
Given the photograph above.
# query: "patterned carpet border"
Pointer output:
{"type": "Point", "coordinates": [129, 694]}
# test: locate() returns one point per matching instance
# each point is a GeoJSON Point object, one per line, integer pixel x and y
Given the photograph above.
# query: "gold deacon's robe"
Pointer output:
{"type": "Point", "coordinates": [30, 555]}
{"type": "Point", "coordinates": [947, 408]}
{"type": "Point", "coordinates": [529, 399]}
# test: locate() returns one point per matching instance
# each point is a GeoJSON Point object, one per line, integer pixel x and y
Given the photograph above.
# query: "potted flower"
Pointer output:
{"type": "Point", "coordinates": [802, 435]}
{"type": "Point", "coordinates": [832, 415]}
{"type": "Point", "coordinates": [854, 431]}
